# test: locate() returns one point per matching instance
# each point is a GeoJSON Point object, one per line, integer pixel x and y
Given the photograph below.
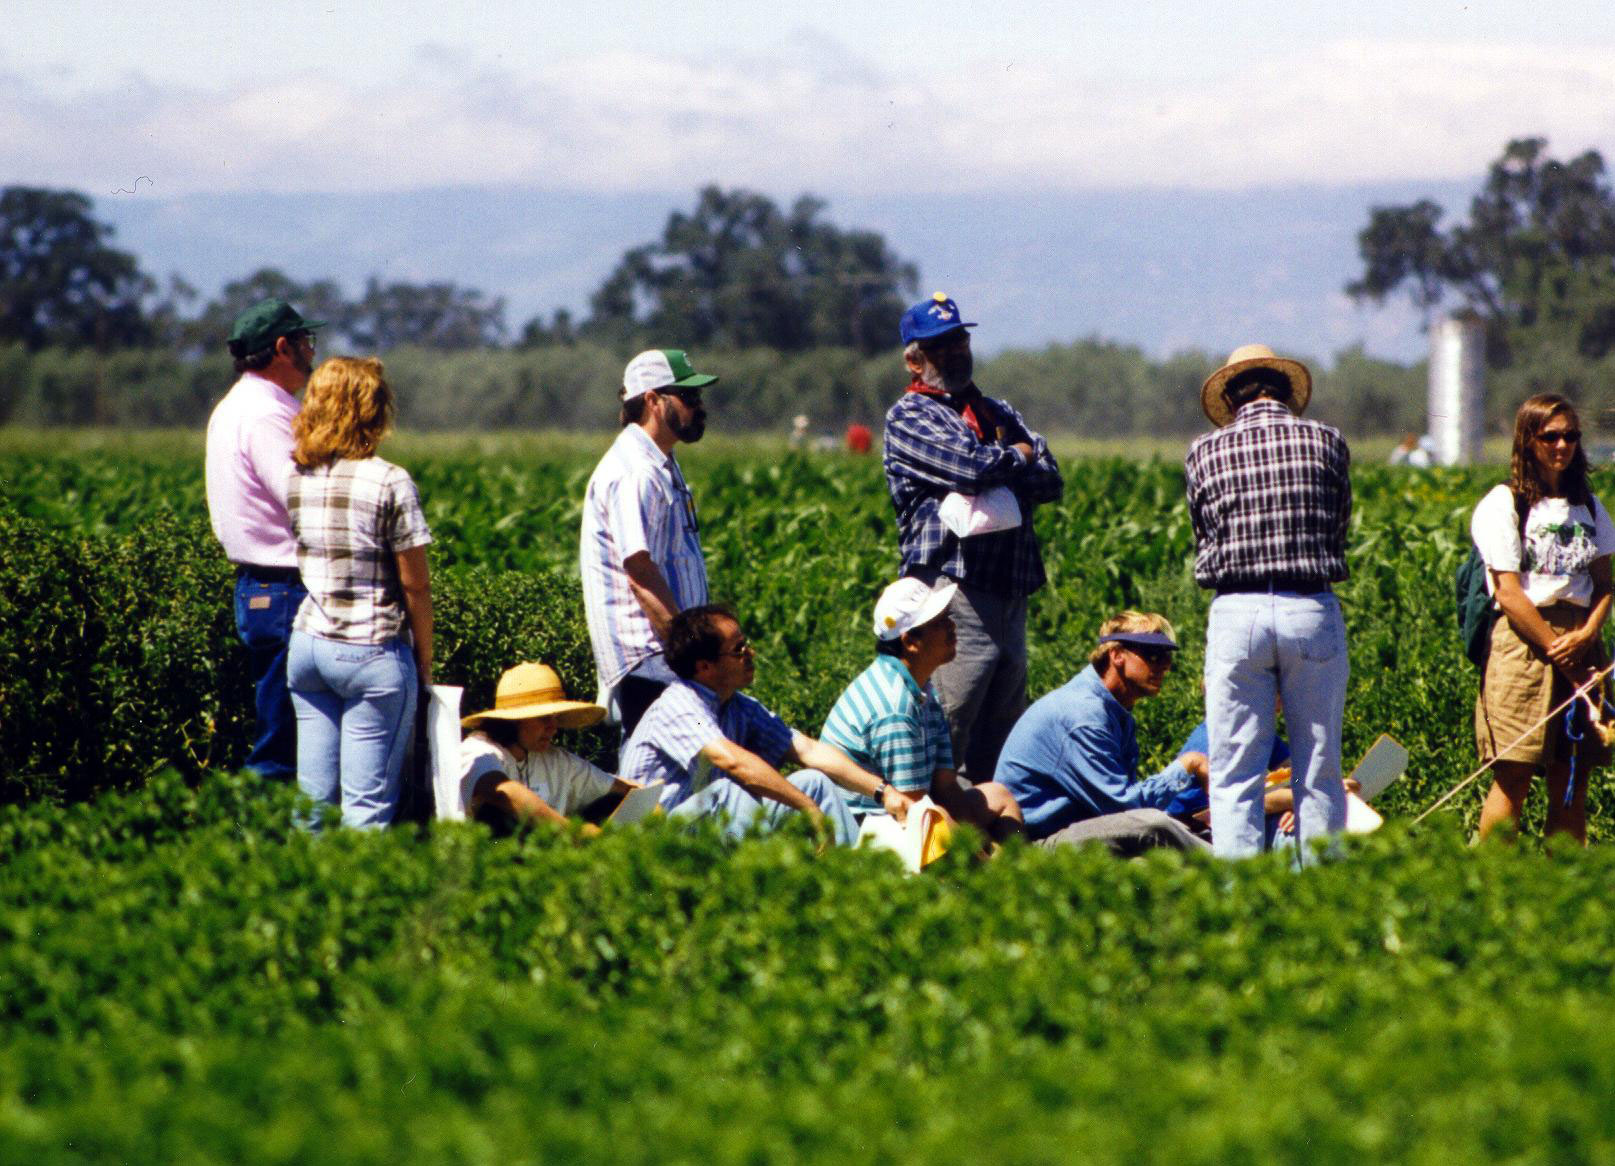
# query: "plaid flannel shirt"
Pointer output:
{"type": "Point", "coordinates": [1270, 499]}
{"type": "Point", "coordinates": [352, 518]}
{"type": "Point", "coordinates": [930, 452]}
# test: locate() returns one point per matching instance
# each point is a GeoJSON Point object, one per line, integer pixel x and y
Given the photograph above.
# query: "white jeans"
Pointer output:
{"type": "Point", "coordinates": [1261, 646]}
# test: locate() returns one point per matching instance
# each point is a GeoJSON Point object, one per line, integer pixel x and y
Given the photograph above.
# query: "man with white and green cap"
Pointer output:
{"type": "Point", "coordinates": [640, 551]}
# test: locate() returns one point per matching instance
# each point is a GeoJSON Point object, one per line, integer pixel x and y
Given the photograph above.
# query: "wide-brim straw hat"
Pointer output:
{"type": "Point", "coordinates": [1249, 356]}
{"type": "Point", "coordinates": [534, 690]}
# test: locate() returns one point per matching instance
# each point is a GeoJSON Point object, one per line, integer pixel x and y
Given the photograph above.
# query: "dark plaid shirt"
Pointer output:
{"type": "Point", "coordinates": [1270, 497]}
{"type": "Point", "coordinates": [931, 452]}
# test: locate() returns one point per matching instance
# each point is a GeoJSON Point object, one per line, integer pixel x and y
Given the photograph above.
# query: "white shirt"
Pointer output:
{"type": "Point", "coordinates": [636, 501]}
{"type": "Point", "coordinates": [249, 446]}
{"type": "Point", "coordinates": [564, 780]}
{"type": "Point", "coordinates": [1561, 542]}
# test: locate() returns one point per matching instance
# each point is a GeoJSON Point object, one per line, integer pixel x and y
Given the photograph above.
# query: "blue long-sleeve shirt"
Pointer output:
{"type": "Point", "coordinates": [1074, 756]}
{"type": "Point", "coordinates": [930, 452]}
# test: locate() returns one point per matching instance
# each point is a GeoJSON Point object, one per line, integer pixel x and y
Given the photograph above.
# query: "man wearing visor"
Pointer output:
{"type": "Point", "coordinates": [1072, 761]}
{"type": "Point", "coordinates": [640, 551]}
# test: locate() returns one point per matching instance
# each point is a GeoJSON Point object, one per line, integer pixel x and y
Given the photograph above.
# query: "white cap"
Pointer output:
{"type": "Point", "coordinates": [909, 603]}
{"type": "Point", "coordinates": [661, 368]}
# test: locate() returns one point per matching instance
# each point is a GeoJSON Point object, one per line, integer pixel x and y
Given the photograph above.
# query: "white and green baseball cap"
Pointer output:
{"type": "Point", "coordinates": [661, 368]}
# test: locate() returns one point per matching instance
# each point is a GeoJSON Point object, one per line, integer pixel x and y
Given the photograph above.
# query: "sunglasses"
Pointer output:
{"type": "Point", "coordinates": [739, 651]}
{"type": "Point", "coordinates": [690, 397]}
{"type": "Point", "coordinates": [1559, 436]}
{"type": "Point", "coordinates": [1154, 657]}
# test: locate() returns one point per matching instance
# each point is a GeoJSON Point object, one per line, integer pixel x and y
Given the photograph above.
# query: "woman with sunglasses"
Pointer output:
{"type": "Point", "coordinates": [1546, 541]}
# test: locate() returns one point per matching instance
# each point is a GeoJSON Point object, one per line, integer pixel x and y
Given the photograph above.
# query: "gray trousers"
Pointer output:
{"type": "Point", "coordinates": [1129, 833]}
{"type": "Point", "coordinates": [983, 688]}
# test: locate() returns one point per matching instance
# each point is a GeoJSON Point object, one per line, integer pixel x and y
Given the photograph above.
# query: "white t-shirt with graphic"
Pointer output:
{"type": "Point", "coordinates": [564, 780]}
{"type": "Point", "coordinates": [1561, 543]}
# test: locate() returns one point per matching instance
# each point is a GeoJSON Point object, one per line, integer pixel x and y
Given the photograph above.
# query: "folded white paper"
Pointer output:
{"type": "Point", "coordinates": [967, 515]}
{"type": "Point", "coordinates": [443, 744]}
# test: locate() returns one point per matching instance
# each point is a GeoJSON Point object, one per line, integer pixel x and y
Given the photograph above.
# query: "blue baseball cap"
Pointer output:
{"type": "Point", "coordinates": [931, 318]}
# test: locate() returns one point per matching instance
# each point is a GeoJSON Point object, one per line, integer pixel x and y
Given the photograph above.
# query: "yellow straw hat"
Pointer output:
{"type": "Point", "coordinates": [534, 690]}
{"type": "Point", "coordinates": [1249, 356]}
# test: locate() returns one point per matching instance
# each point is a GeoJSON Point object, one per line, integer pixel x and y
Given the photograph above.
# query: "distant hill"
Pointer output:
{"type": "Point", "coordinates": [1164, 270]}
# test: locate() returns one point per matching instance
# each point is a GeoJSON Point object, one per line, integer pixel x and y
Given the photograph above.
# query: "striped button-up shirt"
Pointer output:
{"type": "Point", "coordinates": [636, 501]}
{"type": "Point", "coordinates": [352, 518]}
{"type": "Point", "coordinates": [1270, 498]}
{"type": "Point", "coordinates": [931, 452]}
{"type": "Point", "coordinates": [666, 744]}
{"type": "Point", "coordinates": [892, 727]}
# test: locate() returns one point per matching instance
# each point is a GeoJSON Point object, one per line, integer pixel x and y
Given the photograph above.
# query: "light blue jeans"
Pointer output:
{"type": "Point", "coordinates": [355, 708]}
{"type": "Point", "coordinates": [1259, 647]}
{"type": "Point", "coordinates": [724, 796]}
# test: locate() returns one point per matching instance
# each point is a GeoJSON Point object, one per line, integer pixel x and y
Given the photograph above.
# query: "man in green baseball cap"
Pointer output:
{"type": "Point", "coordinates": [249, 451]}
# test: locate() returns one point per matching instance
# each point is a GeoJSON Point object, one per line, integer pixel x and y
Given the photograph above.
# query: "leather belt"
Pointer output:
{"type": "Point", "coordinates": [267, 574]}
{"type": "Point", "coordinates": [1275, 586]}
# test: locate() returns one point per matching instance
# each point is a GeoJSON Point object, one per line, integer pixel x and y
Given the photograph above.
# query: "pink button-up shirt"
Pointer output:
{"type": "Point", "coordinates": [249, 445]}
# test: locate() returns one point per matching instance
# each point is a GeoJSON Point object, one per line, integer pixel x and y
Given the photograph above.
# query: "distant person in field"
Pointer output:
{"type": "Point", "coordinates": [965, 474]}
{"type": "Point", "coordinates": [509, 764]}
{"type": "Point", "coordinates": [719, 751]}
{"type": "Point", "coordinates": [249, 447]}
{"type": "Point", "coordinates": [361, 644]}
{"type": "Point", "coordinates": [1546, 540]}
{"type": "Point", "coordinates": [1072, 761]}
{"type": "Point", "coordinates": [1270, 499]}
{"type": "Point", "coordinates": [640, 550]}
{"type": "Point", "coordinates": [890, 722]}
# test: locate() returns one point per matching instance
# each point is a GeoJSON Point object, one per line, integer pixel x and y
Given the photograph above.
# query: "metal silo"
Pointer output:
{"type": "Point", "coordinates": [1457, 402]}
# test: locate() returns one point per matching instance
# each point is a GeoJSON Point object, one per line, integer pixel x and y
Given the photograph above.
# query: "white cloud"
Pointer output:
{"type": "Point", "coordinates": [806, 116]}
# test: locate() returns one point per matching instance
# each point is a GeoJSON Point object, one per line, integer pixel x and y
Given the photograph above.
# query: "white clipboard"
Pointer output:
{"type": "Point", "coordinates": [637, 804]}
{"type": "Point", "coordinates": [1385, 761]}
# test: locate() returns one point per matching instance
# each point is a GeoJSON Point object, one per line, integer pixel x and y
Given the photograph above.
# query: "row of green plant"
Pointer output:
{"type": "Point", "coordinates": [185, 978]}
{"type": "Point", "coordinates": [118, 653]}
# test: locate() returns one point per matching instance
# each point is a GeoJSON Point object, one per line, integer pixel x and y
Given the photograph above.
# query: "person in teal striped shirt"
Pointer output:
{"type": "Point", "coordinates": [889, 719]}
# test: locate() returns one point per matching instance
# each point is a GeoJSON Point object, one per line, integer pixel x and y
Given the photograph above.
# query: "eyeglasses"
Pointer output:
{"type": "Point", "coordinates": [1154, 657]}
{"type": "Point", "coordinates": [739, 651]}
{"type": "Point", "coordinates": [1559, 436]}
{"type": "Point", "coordinates": [690, 397]}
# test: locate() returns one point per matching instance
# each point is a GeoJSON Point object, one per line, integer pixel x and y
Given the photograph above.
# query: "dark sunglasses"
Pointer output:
{"type": "Point", "coordinates": [690, 397]}
{"type": "Point", "coordinates": [1559, 436]}
{"type": "Point", "coordinates": [1154, 657]}
{"type": "Point", "coordinates": [739, 651]}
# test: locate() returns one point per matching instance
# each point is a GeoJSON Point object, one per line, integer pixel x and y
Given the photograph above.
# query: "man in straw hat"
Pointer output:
{"type": "Point", "coordinates": [1072, 760]}
{"type": "Point", "coordinates": [640, 550]}
{"type": "Point", "coordinates": [509, 762]}
{"type": "Point", "coordinates": [1270, 497]}
{"type": "Point", "coordinates": [890, 722]}
{"type": "Point", "coordinates": [719, 751]}
{"type": "Point", "coordinates": [965, 473]}
{"type": "Point", "coordinates": [249, 448]}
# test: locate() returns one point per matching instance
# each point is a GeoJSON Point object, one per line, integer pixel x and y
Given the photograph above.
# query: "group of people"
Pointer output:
{"type": "Point", "coordinates": [333, 603]}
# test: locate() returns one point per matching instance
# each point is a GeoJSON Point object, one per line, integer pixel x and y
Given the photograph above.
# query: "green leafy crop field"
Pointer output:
{"type": "Point", "coordinates": [184, 978]}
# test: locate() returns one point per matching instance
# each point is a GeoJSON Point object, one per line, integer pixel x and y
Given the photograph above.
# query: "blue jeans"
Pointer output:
{"type": "Point", "coordinates": [1260, 647]}
{"type": "Point", "coordinates": [355, 711]}
{"type": "Point", "coordinates": [264, 614]}
{"type": "Point", "coordinates": [725, 796]}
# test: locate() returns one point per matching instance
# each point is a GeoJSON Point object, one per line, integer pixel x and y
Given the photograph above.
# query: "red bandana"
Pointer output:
{"type": "Point", "coordinates": [968, 412]}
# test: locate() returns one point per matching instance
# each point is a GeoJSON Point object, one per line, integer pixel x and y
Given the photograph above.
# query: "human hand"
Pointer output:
{"type": "Point", "coordinates": [1567, 649]}
{"type": "Point", "coordinates": [1026, 450]}
{"type": "Point", "coordinates": [1287, 822]}
{"type": "Point", "coordinates": [589, 830]}
{"type": "Point", "coordinates": [1197, 765]}
{"type": "Point", "coordinates": [896, 803]}
{"type": "Point", "coordinates": [823, 833]}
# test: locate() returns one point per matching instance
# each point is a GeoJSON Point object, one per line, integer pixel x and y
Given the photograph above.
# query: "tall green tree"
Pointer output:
{"type": "Point", "coordinates": [432, 315]}
{"type": "Point", "coordinates": [321, 299]}
{"type": "Point", "coordinates": [61, 282]}
{"type": "Point", "coordinates": [738, 271]}
{"type": "Point", "coordinates": [1535, 260]}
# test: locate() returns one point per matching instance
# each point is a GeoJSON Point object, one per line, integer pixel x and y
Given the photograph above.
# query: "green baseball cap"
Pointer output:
{"type": "Point", "coordinates": [661, 368]}
{"type": "Point", "coordinates": [266, 322]}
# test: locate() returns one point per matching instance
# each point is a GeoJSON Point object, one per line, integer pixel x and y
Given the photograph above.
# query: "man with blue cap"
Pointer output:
{"type": "Point", "coordinates": [965, 474]}
{"type": "Point", "coordinates": [1072, 760]}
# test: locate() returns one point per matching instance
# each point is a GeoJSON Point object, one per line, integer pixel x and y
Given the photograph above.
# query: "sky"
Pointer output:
{"type": "Point", "coordinates": [857, 100]}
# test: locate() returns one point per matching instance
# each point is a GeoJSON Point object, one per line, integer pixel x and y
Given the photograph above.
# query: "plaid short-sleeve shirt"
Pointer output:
{"type": "Point", "coordinates": [1270, 499]}
{"type": "Point", "coordinates": [351, 518]}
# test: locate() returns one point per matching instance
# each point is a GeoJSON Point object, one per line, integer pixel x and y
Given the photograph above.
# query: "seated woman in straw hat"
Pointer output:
{"type": "Point", "coordinates": [509, 762]}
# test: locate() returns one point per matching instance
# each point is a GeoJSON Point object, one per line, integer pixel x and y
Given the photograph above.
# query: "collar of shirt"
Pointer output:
{"type": "Point", "coordinates": [708, 697]}
{"type": "Point", "coordinates": [641, 445]}
{"type": "Point", "coordinates": [1260, 411]}
{"type": "Point", "coordinates": [895, 666]}
{"type": "Point", "coordinates": [965, 403]}
{"type": "Point", "coordinates": [1091, 683]}
{"type": "Point", "coordinates": [263, 386]}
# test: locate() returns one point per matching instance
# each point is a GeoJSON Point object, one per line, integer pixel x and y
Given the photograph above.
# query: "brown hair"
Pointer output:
{"type": "Point", "coordinates": [347, 410]}
{"type": "Point", "coordinates": [1128, 621]}
{"type": "Point", "coordinates": [1525, 475]}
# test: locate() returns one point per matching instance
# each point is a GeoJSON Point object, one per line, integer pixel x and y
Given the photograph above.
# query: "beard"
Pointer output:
{"type": "Point", "coordinates": [953, 375]}
{"type": "Point", "coordinates": [689, 431]}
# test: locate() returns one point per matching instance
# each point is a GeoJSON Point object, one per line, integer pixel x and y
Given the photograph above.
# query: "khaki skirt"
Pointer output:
{"type": "Point", "coordinates": [1519, 689]}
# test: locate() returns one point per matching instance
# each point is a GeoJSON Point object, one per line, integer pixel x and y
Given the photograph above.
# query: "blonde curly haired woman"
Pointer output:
{"type": "Point", "coordinates": [361, 643]}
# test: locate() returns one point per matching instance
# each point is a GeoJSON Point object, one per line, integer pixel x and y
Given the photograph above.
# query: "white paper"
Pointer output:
{"type": "Point", "coordinates": [638, 804]}
{"type": "Point", "coordinates": [1361, 818]}
{"type": "Point", "coordinates": [967, 515]}
{"type": "Point", "coordinates": [443, 745]}
{"type": "Point", "coordinates": [1385, 761]}
{"type": "Point", "coordinates": [906, 838]}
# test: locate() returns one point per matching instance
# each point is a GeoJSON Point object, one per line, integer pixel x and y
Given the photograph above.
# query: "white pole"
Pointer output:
{"type": "Point", "coordinates": [1457, 400]}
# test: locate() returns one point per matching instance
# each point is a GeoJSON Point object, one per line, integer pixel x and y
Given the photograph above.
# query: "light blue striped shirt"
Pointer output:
{"type": "Point", "coordinates": [890, 726]}
{"type": "Point", "coordinates": [636, 501]}
{"type": "Point", "coordinates": [666, 744]}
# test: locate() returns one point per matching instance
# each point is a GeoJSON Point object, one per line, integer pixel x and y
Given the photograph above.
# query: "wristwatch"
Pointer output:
{"type": "Point", "coordinates": [880, 792]}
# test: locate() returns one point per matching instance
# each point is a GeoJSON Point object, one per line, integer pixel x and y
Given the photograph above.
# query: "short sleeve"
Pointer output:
{"type": "Point", "coordinates": [406, 526]}
{"type": "Point", "coordinates": [1495, 527]}
{"type": "Point", "coordinates": [1603, 530]}
{"type": "Point", "coordinates": [584, 782]}
{"type": "Point", "coordinates": [478, 759]}
{"type": "Point", "coordinates": [636, 513]}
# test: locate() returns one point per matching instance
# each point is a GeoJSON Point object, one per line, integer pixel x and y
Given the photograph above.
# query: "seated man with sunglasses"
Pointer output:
{"type": "Point", "coordinates": [1072, 760]}
{"type": "Point", "coordinates": [719, 751]}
